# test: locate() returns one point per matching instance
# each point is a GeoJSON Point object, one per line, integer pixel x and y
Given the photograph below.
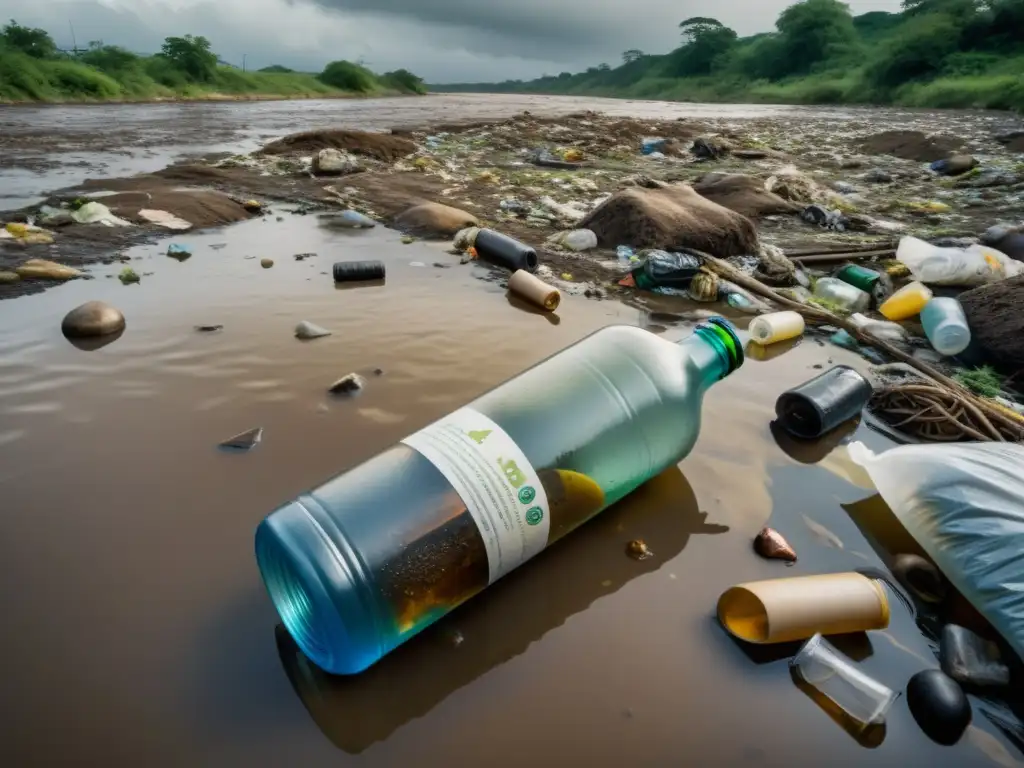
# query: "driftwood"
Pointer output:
{"type": "Point", "coordinates": [991, 411]}
{"type": "Point", "coordinates": [827, 258]}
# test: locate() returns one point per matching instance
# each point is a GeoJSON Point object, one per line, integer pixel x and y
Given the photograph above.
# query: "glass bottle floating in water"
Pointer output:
{"type": "Point", "coordinates": [372, 557]}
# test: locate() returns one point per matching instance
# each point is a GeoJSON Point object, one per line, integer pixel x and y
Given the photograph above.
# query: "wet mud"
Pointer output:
{"type": "Point", "coordinates": [138, 629]}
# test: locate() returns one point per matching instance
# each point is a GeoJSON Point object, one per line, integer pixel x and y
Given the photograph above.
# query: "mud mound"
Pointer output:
{"type": "Point", "coordinates": [997, 323]}
{"type": "Point", "coordinates": [380, 146]}
{"type": "Point", "coordinates": [912, 145]}
{"type": "Point", "coordinates": [744, 194]}
{"type": "Point", "coordinates": [671, 217]}
{"type": "Point", "coordinates": [200, 208]}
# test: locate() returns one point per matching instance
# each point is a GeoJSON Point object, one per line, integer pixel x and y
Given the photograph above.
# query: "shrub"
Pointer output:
{"type": "Point", "coordinates": [348, 77]}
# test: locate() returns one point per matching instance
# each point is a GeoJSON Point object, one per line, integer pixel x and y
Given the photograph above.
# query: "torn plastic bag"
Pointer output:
{"type": "Point", "coordinates": [964, 504]}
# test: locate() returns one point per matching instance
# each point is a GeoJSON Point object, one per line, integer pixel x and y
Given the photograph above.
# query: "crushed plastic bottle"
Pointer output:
{"type": "Point", "coordinates": [625, 253]}
{"type": "Point", "coordinates": [662, 269]}
{"type": "Point", "coordinates": [844, 295]}
{"type": "Point", "coordinates": [880, 329]}
{"type": "Point", "coordinates": [651, 144]}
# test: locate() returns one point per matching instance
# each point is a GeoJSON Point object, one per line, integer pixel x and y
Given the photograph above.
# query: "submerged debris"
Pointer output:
{"type": "Point", "coordinates": [308, 330]}
{"type": "Point", "coordinates": [245, 441]}
{"type": "Point", "coordinates": [638, 550]}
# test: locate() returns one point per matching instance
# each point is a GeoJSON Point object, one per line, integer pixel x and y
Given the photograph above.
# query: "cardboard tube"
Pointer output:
{"type": "Point", "coordinates": [783, 610]}
{"type": "Point", "coordinates": [534, 290]}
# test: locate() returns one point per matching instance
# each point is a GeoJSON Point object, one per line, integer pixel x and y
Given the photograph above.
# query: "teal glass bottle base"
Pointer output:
{"type": "Point", "coordinates": [316, 589]}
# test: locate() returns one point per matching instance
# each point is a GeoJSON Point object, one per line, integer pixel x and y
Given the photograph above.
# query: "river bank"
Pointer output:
{"type": "Point", "coordinates": [108, 463]}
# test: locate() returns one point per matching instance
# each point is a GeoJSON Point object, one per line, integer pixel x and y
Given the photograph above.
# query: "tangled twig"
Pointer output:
{"type": "Point", "coordinates": [933, 412]}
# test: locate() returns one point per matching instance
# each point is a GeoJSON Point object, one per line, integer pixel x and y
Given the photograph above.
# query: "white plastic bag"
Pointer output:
{"type": "Point", "coordinates": [966, 267]}
{"type": "Point", "coordinates": [964, 504]}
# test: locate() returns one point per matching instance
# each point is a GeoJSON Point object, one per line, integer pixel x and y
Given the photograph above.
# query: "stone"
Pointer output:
{"type": "Point", "coordinates": [334, 162]}
{"type": "Point", "coordinates": [996, 321]}
{"type": "Point", "coordinates": [266, 263]}
{"type": "Point", "coordinates": [9, 277]}
{"type": "Point", "coordinates": [972, 660]}
{"type": "Point", "coordinates": [41, 269]}
{"type": "Point", "coordinates": [347, 385]}
{"type": "Point", "coordinates": [435, 219]}
{"type": "Point", "coordinates": [956, 165]}
{"type": "Point", "coordinates": [245, 441]}
{"type": "Point", "coordinates": [307, 330]}
{"type": "Point", "coordinates": [878, 176]}
{"type": "Point", "coordinates": [94, 318]}
{"type": "Point", "coordinates": [708, 148]}
{"type": "Point", "coordinates": [347, 219]}
{"type": "Point", "coordinates": [673, 218]}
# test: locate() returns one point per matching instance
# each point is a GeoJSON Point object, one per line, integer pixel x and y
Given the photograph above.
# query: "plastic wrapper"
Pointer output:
{"type": "Point", "coordinates": [964, 505]}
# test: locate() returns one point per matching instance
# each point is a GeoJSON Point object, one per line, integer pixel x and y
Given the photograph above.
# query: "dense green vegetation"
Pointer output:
{"type": "Point", "coordinates": [935, 53]}
{"type": "Point", "coordinates": [33, 69]}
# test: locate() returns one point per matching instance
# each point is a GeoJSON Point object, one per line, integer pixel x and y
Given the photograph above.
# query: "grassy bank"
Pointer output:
{"type": "Point", "coordinates": [33, 70]}
{"type": "Point", "coordinates": [935, 53]}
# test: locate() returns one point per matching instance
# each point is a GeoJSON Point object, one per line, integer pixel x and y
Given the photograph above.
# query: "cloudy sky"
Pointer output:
{"type": "Point", "coordinates": [441, 40]}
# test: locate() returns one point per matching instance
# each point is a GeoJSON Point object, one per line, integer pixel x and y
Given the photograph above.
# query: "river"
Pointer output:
{"type": "Point", "coordinates": [136, 629]}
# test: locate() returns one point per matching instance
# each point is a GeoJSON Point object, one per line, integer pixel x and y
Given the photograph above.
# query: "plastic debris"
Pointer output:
{"type": "Point", "coordinates": [964, 267]}
{"type": "Point", "coordinates": [625, 253]}
{"type": "Point", "coordinates": [504, 251]}
{"type": "Point", "coordinates": [164, 219]}
{"type": "Point", "coordinates": [534, 290]}
{"type": "Point", "coordinates": [776, 326]}
{"type": "Point", "coordinates": [823, 217]}
{"type": "Point", "coordinates": [347, 219]}
{"type": "Point", "coordinates": [98, 213]}
{"type": "Point", "coordinates": [652, 144]}
{"type": "Point", "coordinates": [638, 550]}
{"type": "Point", "coordinates": [356, 271]}
{"type": "Point", "coordinates": [661, 269]}
{"type": "Point", "coordinates": [842, 294]}
{"type": "Point", "coordinates": [178, 251]}
{"type": "Point", "coordinates": [818, 406]}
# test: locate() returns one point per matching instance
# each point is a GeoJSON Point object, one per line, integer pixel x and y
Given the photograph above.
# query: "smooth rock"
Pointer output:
{"type": "Point", "coordinates": [957, 165]}
{"type": "Point", "coordinates": [347, 385]}
{"type": "Point", "coordinates": [996, 321]}
{"type": "Point", "coordinates": [347, 219]}
{"type": "Point", "coordinates": [436, 219]}
{"type": "Point", "coordinates": [308, 330]}
{"type": "Point", "coordinates": [94, 318]}
{"type": "Point", "coordinates": [266, 263]}
{"type": "Point", "coordinates": [914, 572]}
{"type": "Point", "coordinates": [878, 176]}
{"type": "Point", "coordinates": [9, 277]}
{"type": "Point", "coordinates": [41, 269]}
{"type": "Point", "coordinates": [939, 706]}
{"type": "Point", "coordinates": [772, 545]}
{"type": "Point", "coordinates": [333, 162]}
{"type": "Point", "coordinates": [244, 441]}
{"type": "Point", "coordinates": [972, 660]}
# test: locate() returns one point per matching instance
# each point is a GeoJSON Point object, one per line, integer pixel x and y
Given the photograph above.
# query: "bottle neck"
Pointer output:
{"type": "Point", "coordinates": [714, 350]}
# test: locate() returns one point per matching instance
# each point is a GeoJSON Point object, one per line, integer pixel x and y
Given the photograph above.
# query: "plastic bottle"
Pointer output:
{"type": "Point", "coordinates": [777, 326]}
{"type": "Point", "coordinates": [946, 326]}
{"type": "Point", "coordinates": [845, 295]}
{"type": "Point", "coordinates": [907, 301]}
{"type": "Point", "coordinates": [372, 557]}
{"type": "Point", "coordinates": [504, 251]}
{"type": "Point", "coordinates": [966, 267]}
{"type": "Point", "coordinates": [880, 329]}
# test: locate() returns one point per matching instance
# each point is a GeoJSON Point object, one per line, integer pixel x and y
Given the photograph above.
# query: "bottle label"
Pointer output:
{"type": "Point", "coordinates": [496, 482]}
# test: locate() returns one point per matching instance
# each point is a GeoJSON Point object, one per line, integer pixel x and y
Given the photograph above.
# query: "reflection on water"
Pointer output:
{"type": "Point", "coordinates": [354, 712]}
{"type": "Point", "coordinates": [126, 565]}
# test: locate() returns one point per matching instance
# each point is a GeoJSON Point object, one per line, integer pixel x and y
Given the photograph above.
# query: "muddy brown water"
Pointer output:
{"type": "Point", "coordinates": [137, 632]}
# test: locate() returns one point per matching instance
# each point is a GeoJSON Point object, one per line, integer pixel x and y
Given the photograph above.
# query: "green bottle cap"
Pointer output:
{"type": "Point", "coordinates": [720, 330]}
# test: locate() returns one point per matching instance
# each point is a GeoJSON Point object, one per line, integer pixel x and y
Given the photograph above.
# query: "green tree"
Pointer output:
{"type": "Point", "coordinates": [191, 55]}
{"type": "Point", "coordinates": [706, 42]}
{"type": "Point", "coordinates": [813, 32]}
{"type": "Point", "coordinates": [919, 51]}
{"type": "Point", "coordinates": [405, 80]}
{"type": "Point", "coordinates": [347, 76]}
{"type": "Point", "coordinates": [603, 67]}
{"type": "Point", "coordinates": [633, 54]}
{"type": "Point", "coordinates": [31, 41]}
{"type": "Point", "coordinates": [277, 69]}
{"type": "Point", "coordinates": [108, 58]}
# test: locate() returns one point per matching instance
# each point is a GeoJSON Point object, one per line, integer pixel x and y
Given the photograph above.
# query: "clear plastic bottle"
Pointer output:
{"type": "Point", "coordinates": [945, 325]}
{"type": "Point", "coordinates": [776, 326]}
{"type": "Point", "coordinates": [845, 295]}
{"type": "Point", "coordinates": [907, 301]}
{"type": "Point", "coordinates": [372, 557]}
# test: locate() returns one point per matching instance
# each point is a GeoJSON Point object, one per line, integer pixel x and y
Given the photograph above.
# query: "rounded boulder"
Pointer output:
{"type": "Point", "coordinates": [92, 319]}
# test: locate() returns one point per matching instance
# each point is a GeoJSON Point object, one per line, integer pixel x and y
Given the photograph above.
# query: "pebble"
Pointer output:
{"type": "Point", "coordinates": [94, 318]}
{"type": "Point", "coordinates": [308, 330]}
{"type": "Point", "coordinates": [347, 385]}
{"type": "Point", "coordinates": [209, 328]}
{"type": "Point", "coordinates": [266, 263]}
{"type": "Point", "coordinates": [245, 441]}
